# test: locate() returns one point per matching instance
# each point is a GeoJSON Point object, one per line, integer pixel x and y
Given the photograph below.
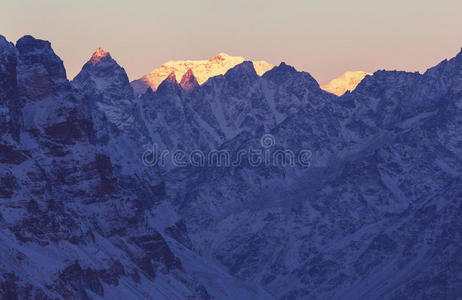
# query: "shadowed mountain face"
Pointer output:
{"type": "Point", "coordinates": [374, 215]}
{"type": "Point", "coordinates": [81, 216]}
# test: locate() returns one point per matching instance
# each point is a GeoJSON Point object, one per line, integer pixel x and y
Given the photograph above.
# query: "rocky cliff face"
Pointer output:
{"type": "Point", "coordinates": [80, 219]}
{"type": "Point", "coordinates": [373, 215]}
{"type": "Point", "coordinates": [189, 117]}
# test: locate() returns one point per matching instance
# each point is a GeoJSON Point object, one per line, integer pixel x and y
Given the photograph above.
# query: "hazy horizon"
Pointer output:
{"type": "Point", "coordinates": [324, 39]}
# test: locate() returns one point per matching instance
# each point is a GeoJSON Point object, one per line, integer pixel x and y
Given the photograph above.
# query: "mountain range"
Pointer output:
{"type": "Point", "coordinates": [220, 64]}
{"type": "Point", "coordinates": [375, 214]}
{"type": "Point", "coordinates": [202, 69]}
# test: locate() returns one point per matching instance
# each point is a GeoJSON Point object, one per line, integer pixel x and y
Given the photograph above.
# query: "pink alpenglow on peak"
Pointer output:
{"type": "Point", "coordinates": [220, 57]}
{"type": "Point", "coordinates": [346, 82]}
{"type": "Point", "coordinates": [202, 70]}
{"type": "Point", "coordinates": [189, 81]}
{"type": "Point", "coordinates": [98, 55]}
{"type": "Point", "coordinates": [172, 78]}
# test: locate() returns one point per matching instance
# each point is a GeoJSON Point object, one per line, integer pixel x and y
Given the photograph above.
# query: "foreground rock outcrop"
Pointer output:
{"type": "Point", "coordinates": [81, 217]}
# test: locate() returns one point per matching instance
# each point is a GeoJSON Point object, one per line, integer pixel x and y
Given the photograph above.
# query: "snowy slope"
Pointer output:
{"type": "Point", "coordinates": [375, 216]}
{"type": "Point", "coordinates": [81, 216]}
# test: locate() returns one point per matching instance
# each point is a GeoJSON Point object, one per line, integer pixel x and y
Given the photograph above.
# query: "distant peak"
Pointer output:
{"type": "Point", "coordinates": [348, 81]}
{"type": "Point", "coordinates": [169, 85]}
{"type": "Point", "coordinates": [203, 70]}
{"type": "Point", "coordinates": [244, 69]}
{"type": "Point", "coordinates": [221, 57]}
{"type": "Point", "coordinates": [460, 53]}
{"type": "Point", "coordinates": [188, 75]}
{"type": "Point", "coordinates": [281, 73]}
{"type": "Point", "coordinates": [245, 66]}
{"type": "Point", "coordinates": [284, 66]}
{"type": "Point", "coordinates": [171, 78]}
{"type": "Point", "coordinates": [98, 55]}
{"type": "Point", "coordinates": [189, 81]}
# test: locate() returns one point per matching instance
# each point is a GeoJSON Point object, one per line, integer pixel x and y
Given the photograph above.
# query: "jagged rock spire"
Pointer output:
{"type": "Point", "coordinates": [101, 67]}
{"type": "Point", "coordinates": [99, 55]}
{"type": "Point", "coordinates": [170, 84]}
{"type": "Point", "coordinates": [188, 81]}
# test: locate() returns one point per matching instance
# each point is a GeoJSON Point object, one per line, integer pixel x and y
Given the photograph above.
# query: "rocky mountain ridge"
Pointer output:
{"type": "Point", "coordinates": [81, 216]}
{"type": "Point", "coordinates": [374, 215]}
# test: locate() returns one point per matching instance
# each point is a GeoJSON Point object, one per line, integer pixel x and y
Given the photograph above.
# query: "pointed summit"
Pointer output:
{"type": "Point", "coordinates": [285, 73]}
{"type": "Point", "coordinates": [169, 85]}
{"type": "Point", "coordinates": [102, 75]}
{"type": "Point", "coordinates": [99, 55]}
{"type": "Point", "coordinates": [171, 78]}
{"type": "Point", "coordinates": [188, 81]}
{"type": "Point", "coordinates": [244, 68]}
{"type": "Point", "coordinates": [281, 73]}
{"type": "Point", "coordinates": [102, 65]}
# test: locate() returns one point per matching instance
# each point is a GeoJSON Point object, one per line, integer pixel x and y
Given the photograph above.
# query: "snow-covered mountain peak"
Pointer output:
{"type": "Point", "coordinates": [104, 81]}
{"type": "Point", "coordinates": [346, 82]}
{"type": "Point", "coordinates": [374, 215]}
{"type": "Point", "coordinates": [222, 56]}
{"type": "Point", "coordinates": [203, 70]}
{"type": "Point", "coordinates": [171, 78]}
{"type": "Point", "coordinates": [188, 81]}
{"type": "Point", "coordinates": [99, 55]}
{"type": "Point", "coordinates": [104, 74]}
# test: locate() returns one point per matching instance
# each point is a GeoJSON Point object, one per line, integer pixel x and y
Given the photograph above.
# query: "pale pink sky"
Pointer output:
{"type": "Point", "coordinates": [325, 38]}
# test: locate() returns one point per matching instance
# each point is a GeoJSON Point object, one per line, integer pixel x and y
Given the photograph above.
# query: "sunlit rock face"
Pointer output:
{"type": "Point", "coordinates": [346, 82]}
{"type": "Point", "coordinates": [202, 69]}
